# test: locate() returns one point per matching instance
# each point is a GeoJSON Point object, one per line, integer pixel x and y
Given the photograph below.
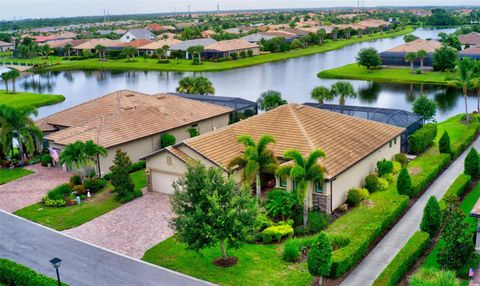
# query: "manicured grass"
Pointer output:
{"type": "Point", "coordinates": [8, 175]}
{"type": "Point", "coordinates": [398, 75]}
{"type": "Point", "coordinates": [20, 99]}
{"type": "Point", "coordinates": [73, 216]}
{"type": "Point", "coordinates": [185, 65]}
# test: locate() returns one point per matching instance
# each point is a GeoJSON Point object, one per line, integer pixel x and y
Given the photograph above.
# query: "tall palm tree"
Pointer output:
{"type": "Point", "coordinates": [93, 151]}
{"type": "Point", "coordinates": [462, 79]}
{"type": "Point", "coordinates": [321, 93]}
{"type": "Point", "coordinates": [343, 89]}
{"type": "Point", "coordinates": [321, 33]}
{"type": "Point", "coordinates": [6, 78]}
{"type": "Point", "coordinates": [270, 99]}
{"type": "Point", "coordinates": [74, 155]}
{"type": "Point", "coordinates": [334, 33]}
{"type": "Point", "coordinates": [303, 170]}
{"type": "Point", "coordinates": [67, 49]}
{"type": "Point", "coordinates": [45, 50]}
{"type": "Point", "coordinates": [410, 58]}
{"type": "Point", "coordinates": [475, 81]}
{"type": "Point", "coordinates": [17, 125]}
{"type": "Point", "coordinates": [100, 51]}
{"type": "Point", "coordinates": [256, 159]}
{"type": "Point", "coordinates": [13, 76]}
{"type": "Point", "coordinates": [421, 55]}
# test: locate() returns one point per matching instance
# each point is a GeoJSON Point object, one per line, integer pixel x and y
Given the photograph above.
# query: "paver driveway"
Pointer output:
{"type": "Point", "coordinates": [30, 189]}
{"type": "Point", "coordinates": [132, 228]}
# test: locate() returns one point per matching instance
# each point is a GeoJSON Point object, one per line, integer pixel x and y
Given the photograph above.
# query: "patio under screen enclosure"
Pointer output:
{"type": "Point", "coordinates": [397, 117]}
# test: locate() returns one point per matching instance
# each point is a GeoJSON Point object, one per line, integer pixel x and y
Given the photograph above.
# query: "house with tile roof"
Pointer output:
{"type": "Point", "coordinates": [130, 121]}
{"type": "Point", "coordinates": [224, 49]}
{"type": "Point", "coordinates": [137, 34]}
{"type": "Point", "coordinates": [352, 146]}
{"type": "Point", "coordinates": [6, 46]}
{"type": "Point", "coordinates": [396, 56]}
{"type": "Point", "coordinates": [470, 39]}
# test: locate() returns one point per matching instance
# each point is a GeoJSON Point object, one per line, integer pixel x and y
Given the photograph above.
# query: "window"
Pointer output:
{"type": "Point", "coordinates": [294, 185]}
{"type": "Point", "coordinates": [283, 181]}
{"type": "Point", "coordinates": [395, 141]}
{"type": "Point", "coordinates": [318, 186]}
{"type": "Point", "coordinates": [169, 160]}
{"type": "Point", "coordinates": [390, 144]}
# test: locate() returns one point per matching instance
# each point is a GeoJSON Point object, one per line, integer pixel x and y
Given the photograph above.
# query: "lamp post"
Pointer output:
{"type": "Point", "coordinates": [56, 264]}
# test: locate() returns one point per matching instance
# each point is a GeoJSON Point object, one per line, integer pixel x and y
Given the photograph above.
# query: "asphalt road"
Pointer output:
{"type": "Point", "coordinates": [33, 245]}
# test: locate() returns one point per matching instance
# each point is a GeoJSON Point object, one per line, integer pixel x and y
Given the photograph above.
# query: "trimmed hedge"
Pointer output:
{"type": "Point", "coordinates": [420, 181]}
{"type": "Point", "coordinates": [465, 142]}
{"type": "Point", "coordinates": [457, 188]}
{"type": "Point", "coordinates": [404, 260]}
{"type": "Point", "coordinates": [12, 273]}
{"type": "Point", "coordinates": [346, 257]}
{"type": "Point", "coordinates": [423, 138]}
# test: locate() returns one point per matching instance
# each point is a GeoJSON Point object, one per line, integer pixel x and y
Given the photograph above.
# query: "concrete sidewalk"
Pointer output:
{"type": "Point", "coordinates": [83, 264]}
{"type": "Point", "coordinates": [376, 261]}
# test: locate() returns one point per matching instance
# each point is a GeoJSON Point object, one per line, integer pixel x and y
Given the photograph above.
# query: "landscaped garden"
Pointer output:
{"type": "Point", "coordinates": [12, 273]}
{"type": "Point", "coordinates": [22, 99]}
{"type": "Point", "coordinates": [8, 175]}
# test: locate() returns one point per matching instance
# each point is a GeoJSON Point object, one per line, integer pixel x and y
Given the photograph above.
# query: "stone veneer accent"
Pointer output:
{"type": "Point", "coordinates": [321, 202]}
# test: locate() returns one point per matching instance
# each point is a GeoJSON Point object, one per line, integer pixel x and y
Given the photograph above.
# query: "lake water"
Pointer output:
{"type": "Point", "coordinates": [294, 78]}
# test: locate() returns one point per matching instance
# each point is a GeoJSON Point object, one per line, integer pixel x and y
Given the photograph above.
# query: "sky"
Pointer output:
{"type": "Point", "coordinates": [22, 9]}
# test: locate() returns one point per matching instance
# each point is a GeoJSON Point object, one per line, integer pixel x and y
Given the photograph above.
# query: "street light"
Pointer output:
{"type": "Point", "coordinates": [56, 262]}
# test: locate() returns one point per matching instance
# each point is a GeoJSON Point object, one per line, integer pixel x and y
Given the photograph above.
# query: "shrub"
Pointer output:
{"type": "Point", "coordinates": [472, 164]}
{"type": "Point", "coordinates": [456, 189]}
{"type": "Point", "coordinates": [280, 203]}
{"type": "Point", "coordinates": [371, 183]}
{"type": "Point", "coordinates": [234, 55]}
{"type": "Point", "coordinates": [356, 196]}
{"type": "Point", "coordinates": [404, 183]}
{"type": "Point", "coordinates": [122, 183]}
{"type": "Point", "coordinates": [75, 180]}
{"type": "Point", "coordinates": [167, 140]}
{"type": "Point", "coordinates": [293, 248]}
{"type": "Point", "coordinates": [250, 53]}
{"type": "Point", "coordinates": [262, 222]}
{"type": "Point", "coordinates": [422, 138]}
{"type": "Point", "coordinates": [432, 217]}
{"type": "Point", "coordinates": [319, 259]}
{"type": "Point", "coordinates": [432, 276]}
{"type": "Point", "coordinates": [243, 54]}
{"type": "Point", "coordinates": [401, 158]}
{"type": "Point", "coordinates": [79, 190]}
{"type": "Point", "coordinates": [339, 241]}
{"type": "Point", "coordinates": [94, 184]}
{"type": "Point", "coordinates": [12, 273]}
{"type": "Point", "coordinates": [382, 184]}
{"type": "Point", "coordinates": [46, 159]}
{"type": "Point", "coordinates": [317, 221]}
{"type": "Point", "coordinates": [384, 167]}
{"type": "Point", "coordinates": [390, 178]}
{"type": "Point", "coordinates": [140, 165]}
{"type": "Point", "coordinates": [277, 232]}
{"type": "Point", "coordinates": [53, 203]}
{"type": "Point", "coordinates": [444, 144]}
{"type": "Point", "coordinates": [59, 192]}
{"type": "Point", "coordinates": [404, 260]}
{"type": "Point", "coordinates": [397, 166]}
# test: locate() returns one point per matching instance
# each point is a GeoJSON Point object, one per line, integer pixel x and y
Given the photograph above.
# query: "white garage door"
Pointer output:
{"type": "Point", "coordinates": [162, 182]}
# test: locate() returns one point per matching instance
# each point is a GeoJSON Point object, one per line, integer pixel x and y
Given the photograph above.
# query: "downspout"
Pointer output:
{"type": "Point", "coordinates": [331, 196]}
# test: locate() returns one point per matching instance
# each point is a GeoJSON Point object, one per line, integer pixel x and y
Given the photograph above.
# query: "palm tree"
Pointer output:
{"type": "Point", "coordinates": [13, 76]}
{"type": "Point", "coordinates": [475, 81]}
{"type": "Point", "coordinates": [196, 85]}
{"type": "Point", "coordinates": [67, 49]}
{"type": "Point", "coordinates": [196, 50]}
{"type": "Point", "coordinates": [303, 170]}
{"type": "Point", "coordinates": [348, 32]}
{"type": "Point", "coordinates": [410, 58]}
{"type": "Point", "coordinates": [462, 79]}
{"type": "Point", "coordinates": [93, 151]}
{"type": "Point", "coordinates": [343, 89]}
{"type": "Point", "coordinates": [256, 159]}
{"type": "Point", "coordinates": [74, 155]}
{"type": "Point", "coordinates": [360, 32]}
{"type": "Point", "coordinates": [45, 50]}
{"type": "Point", "coordinates": [18, 125]}
{"type": "Point", "coordinates": [422, 54]}
{"type": "Point", "coordinates": [6, 78]}
{"type": "Point", "coordinates": [321, 35]}
{"type": "Point", "coordinates": [334, 33]}
{"type": "Point", "coordinates": [129, 51]}
{"type": "Point", "coordinates": [270, 100]}
{"type": "Point", "coordinates": [160, 52]}
{"type": "Point", "coordinates": [321, 93]}
{"type": "Point", "coordinates": [100, 51]}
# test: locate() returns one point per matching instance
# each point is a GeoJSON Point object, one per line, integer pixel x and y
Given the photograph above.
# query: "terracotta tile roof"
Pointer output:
{"type": "Point", "coordinates": [279, 33]}
{"type": "Point", "coordinates": [344, 139]}
{"type": "Point", "coordinates": [475, 50]}
{"type": "Point", "coordinates": [373, 23]}
{"type": "Point", "coordinates": [91, 44]}
{"type": "Point", "coordinates": [124, 115]}
{"type": "Point", "coordinates": [470, 39]}
{"type": "Point", "coordinates": [180, 154]}
{"type": "Point", "coordinates": [231, 45]}
{"type": "Point", "coordinates": [137, 43]}
{"type": "Point", "coordinates": [4, 44]}
{"type": "Point", "coordinates": [160, 43]}
{"type": "Point", "coordinates": [428, 45]}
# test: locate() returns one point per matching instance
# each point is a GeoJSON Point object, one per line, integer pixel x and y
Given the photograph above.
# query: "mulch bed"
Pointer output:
{"type": "Point", "coordinates": [225, 262]}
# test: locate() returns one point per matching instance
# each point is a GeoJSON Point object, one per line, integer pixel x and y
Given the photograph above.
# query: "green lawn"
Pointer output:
{"type": "Point", "coordinates": [73, 216]}
{"type": "Point", "coordinates": [398, 75]}
{"type": "Point", "coordinates": [185, 65]}
{"type": "Point", "coordinates": [8, 175]}
{"type": "Point", "coordinates": [19, 99]}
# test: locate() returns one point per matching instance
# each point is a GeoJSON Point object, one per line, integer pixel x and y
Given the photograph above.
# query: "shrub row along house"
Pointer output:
{"type": "Point", "coordinates": [131, 121]}
{"type": "Point", "coordinates": [352, 146]}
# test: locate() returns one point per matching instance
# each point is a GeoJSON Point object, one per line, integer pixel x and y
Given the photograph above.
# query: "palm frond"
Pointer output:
{"type": "Point", "coordinates": [295, 155]}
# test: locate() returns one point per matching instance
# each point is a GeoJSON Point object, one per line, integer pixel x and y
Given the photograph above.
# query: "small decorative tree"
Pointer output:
{"type": "Point", "coordinates": [123, 186]}
{"type": "Point", "coordinates": [471, 164]}
{"type": "Point", "coordinates": [432, 217]}
{"type": "Point", "coordinates": [210, 210]}
{"type": "Point", "coordinates": [166, 140]}
{"type": "Point", "coordinates": [319, 259]}
{"type": "Point", "coordinates": [444, 144]}
{"type": "Point", "coordinates": [369, 58]}
{"type": "Point", "coordinates": [404, 183]}
{"type": "Point", "coordinates": [425, 107]}
{"type": "Point", "coordinates": [270, 99]}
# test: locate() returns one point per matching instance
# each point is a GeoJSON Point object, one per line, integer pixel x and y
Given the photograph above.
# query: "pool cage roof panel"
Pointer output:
{"type": "Point", "coordinates": [235, 103]}
{"type": "Point", "coordinates": [397, 117]}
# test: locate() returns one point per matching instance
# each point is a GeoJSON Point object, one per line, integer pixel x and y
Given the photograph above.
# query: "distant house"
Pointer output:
{"type": "Point", "coordinates": [224, 49]}
{"type": "Point", "coordinates": [137, 34]}
{"type": "Point", "coordinates": [130, 121]}
{"type": "Point", "coordinates": [352, 146]}
{"type": "Point", "coordinates": [183, 25]}
{"type": "Point", "coordinates": [298, 32]}
{"type": "Point", "coordinates": [182, 48]}
{"type": "Point", "coordinates": [65, 36]}
{"type": "Point", "coordinates": [286, 35]}
{"type": "Point", "coordinates": [92, 43]}
{"type": "Point", "coordinates": [154, 27]}
{"type": "Point", "coordinates": [150, 48]}
{"type": "Point", "coordinates": [471, 39]}
{"type": "Point", "coordinates": [208, 33]}
{"type": "Point", "coordinates": [257, 37]}
{"type": "Point", "coordinates": [472, 52]}
{"type": "Point", "coordinates": [42, 39]}
{"type": "Point", "coordinates": [396, 56]}
{"type": "Point", "coordinates": [6, 46]}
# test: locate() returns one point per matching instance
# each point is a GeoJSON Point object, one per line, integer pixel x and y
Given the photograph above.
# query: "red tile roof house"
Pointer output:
{"type": "Point", "coordinates": [131, 121]}
{"type": "Point", "coordinates": [471, 39]}
{"type": "Point", "coordinates": [352, 146]}
{"type": "Point", "coordinates": [224, 49]}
